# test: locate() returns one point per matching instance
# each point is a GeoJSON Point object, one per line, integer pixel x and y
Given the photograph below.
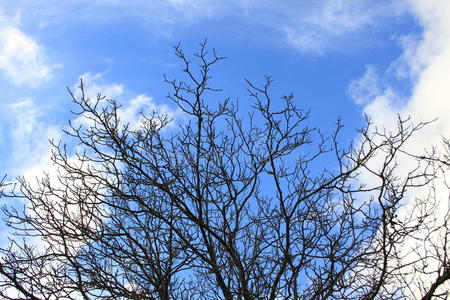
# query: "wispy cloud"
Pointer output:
{"type": "Point", "coordinates": [131, 109]}
{"type": "Point", "coordinates": [29, 136]}
{"type": "Point", "coordinates": [22, 59]}
{"type": "Point", "coordinates": [318, 26]}
{"type": "Point", "coordinates": [366, 88]}
{"type": "Point", "coordinates": [160, 15]}
{"type": "Point", "coordinates": [94, 85]}
{"type": "Point", "coordinates": [28, 131]}
{"type": "Point", "coordinates": [308, 26]}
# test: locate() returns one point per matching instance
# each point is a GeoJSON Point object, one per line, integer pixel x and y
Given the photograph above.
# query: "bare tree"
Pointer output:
{"type": "Point", "coordinates": [224, 205]}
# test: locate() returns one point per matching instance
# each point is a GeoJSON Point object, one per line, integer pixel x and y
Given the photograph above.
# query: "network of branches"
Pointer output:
{"type": "Point", "coordinates": [224, 203]}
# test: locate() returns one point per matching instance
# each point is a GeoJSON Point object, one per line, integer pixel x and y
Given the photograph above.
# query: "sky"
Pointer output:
{"type": "Point", "coordinates": [340, 58]}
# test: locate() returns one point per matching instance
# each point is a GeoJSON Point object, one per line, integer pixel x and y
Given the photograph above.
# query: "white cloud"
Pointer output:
{"type": "Point", "coordinates": [29, 135]}
{"type": "Point", "coordinates": [131, 113]}
{"type": "Point", "coordinates": [366, 88]}
{"type": "Point", "coordinates": [31, 153]}
{"type": "Point", "coordinates": [33, 156]}
{"type": "Point", "coordinates": [94, 85]}
{"type": "Point", "coordinates": [131, 109]}
{"type": "Point", "coordinates": [29, 131]}
{"type": "Point", "coordinates": [319, 27]}
{"type": "Point", "coordinates": [426, 62]}
{"type": "Point", "coordinates": [22, 59]}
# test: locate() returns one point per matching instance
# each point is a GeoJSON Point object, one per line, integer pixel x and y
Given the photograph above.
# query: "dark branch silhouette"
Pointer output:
{"type": "Point", "coordinates": [225, 206]}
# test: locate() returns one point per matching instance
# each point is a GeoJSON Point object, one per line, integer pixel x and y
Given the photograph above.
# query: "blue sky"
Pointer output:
{"type": "Point", "coordinates": [339, 58]}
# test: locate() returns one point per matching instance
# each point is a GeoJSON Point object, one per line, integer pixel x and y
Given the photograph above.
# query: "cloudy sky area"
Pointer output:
{"type": "Point", "coordinates": [339, 58]}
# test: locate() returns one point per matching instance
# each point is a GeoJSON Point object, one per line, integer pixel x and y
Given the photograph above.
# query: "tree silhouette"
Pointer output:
{"type": "Point", "coordinates": [225, 205]}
